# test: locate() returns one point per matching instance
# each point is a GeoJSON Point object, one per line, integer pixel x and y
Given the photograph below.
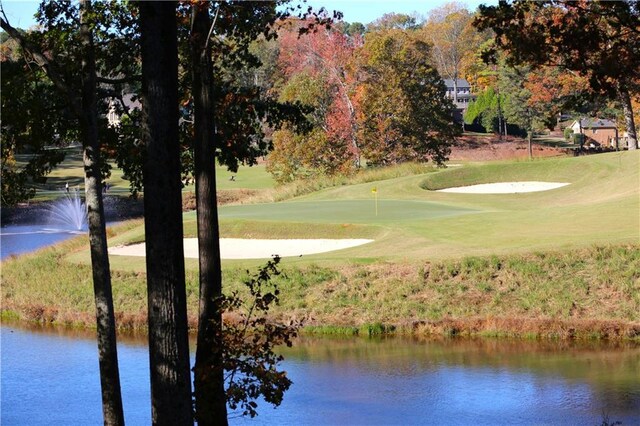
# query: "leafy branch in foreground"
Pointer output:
{"type": "Point", "coordinates": [249, 340]}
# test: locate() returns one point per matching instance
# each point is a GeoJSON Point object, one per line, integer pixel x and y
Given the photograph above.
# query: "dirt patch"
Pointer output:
{"type": "Point", "coordinates": [225, 196]}
{"type": "Point", "coordinates": [485, 148]}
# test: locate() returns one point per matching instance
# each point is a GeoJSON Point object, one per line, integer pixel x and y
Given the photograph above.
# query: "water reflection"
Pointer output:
{"type": "Point", "coordinates": [52, 378]}
{"type": "Point", "coordinates": [462, 382]}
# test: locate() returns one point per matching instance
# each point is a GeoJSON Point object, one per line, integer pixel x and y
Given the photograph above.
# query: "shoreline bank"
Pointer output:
{"type": "Point", "coordinates": [548, 329]}
{"type": "Point", "coordinates": [582, 293]}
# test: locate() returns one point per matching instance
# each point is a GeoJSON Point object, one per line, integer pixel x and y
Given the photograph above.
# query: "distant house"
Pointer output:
{"type": "Point", "coordinates": [460, 93]}
{"type": "Point", "coordinates": [128, 101]}
{"type": "Point", "coordinates": [597, 130]}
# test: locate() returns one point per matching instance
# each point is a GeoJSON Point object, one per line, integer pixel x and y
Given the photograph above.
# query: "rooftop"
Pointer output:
{"type": "Point", "coordinates": [461, 83]}
{"type": "Point", "coordinates": [596, 123]}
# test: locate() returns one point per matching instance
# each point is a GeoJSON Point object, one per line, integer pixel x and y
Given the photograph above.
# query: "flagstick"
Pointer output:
{"type": "Point", "coordinates": [375, 194]}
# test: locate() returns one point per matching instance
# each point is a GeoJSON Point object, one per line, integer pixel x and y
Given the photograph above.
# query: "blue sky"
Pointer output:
{"type": "Point", "coordinates": [366, 11]}
{"type": "Point", "coordinates": [20, 12]}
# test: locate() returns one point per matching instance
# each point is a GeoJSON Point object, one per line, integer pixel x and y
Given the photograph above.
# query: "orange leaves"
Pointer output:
{"type": "Point", "coordinates": [320, 73]}
{"type": "Point", "coordinates": [550, 84]}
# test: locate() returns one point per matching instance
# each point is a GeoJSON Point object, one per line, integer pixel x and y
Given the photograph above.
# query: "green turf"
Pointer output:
{"type": "Point", "coordinates": [254, 177]}
{"type": "Point", "coordinates": [71, 171]}
{"type": "Point", "coordinates": [343, 211]}
{"type": "Point", "coordinates": [601, 205]}
{"type": "Point", "coordinates": [569, 253]}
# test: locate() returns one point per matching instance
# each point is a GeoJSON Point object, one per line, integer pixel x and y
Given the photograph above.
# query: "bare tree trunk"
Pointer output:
{"type": "Point", "coordinates": [211, 406]}
{"type": "Point", "coordinates": [168, 339]}
{"type": "Point", "coordinates": [501, 119]}
{"type": "Point", "coordinates": [627, 108]}
{"type": "Point", "coordinates": [455, 89]}
{"type": "Point", "coordinates": [84, 107]}
{"type": "Point", "coordinates": [105, 318]}
{"type": "Point", "coordinates": [529, 137]}
{"type": "Point", "coordinates": [352, 119]}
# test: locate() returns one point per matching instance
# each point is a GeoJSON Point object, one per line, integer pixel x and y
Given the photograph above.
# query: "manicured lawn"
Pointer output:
{"type": "Point", "coordinates": [414, 223]}
{"type": "Point", "coordinates": [343, 211]}
{"type": "Point", "coordinates": [71, 171]}
{"type": "Point", "coordinates": [600, 205]}
{"type": "Point", "coordinates": [254, 177]}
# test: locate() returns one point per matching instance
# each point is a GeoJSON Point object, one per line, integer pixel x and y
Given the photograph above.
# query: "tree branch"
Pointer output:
{"type": "Point", "coordinates": [213, 24]}
{"type": "Point", "coordinates": [130, 79]}
{"type": "Point", "coordinates": [43, 62]}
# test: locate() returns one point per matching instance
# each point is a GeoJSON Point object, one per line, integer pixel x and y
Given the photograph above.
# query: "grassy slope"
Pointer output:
{"type": "Point", "coordinates": [600, 206]}
{"type": "Point", "coordinates": [544, 265]}
{"type": "Point", "coordinates": [71, 171]}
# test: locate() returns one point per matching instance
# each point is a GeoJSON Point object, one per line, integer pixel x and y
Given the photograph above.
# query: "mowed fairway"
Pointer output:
{"type": "Point", "coordinates": [414, 222]}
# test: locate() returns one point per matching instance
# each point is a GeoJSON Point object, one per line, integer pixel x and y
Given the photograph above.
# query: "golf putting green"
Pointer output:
{"type": "Point", "coordinates": [343, 211]}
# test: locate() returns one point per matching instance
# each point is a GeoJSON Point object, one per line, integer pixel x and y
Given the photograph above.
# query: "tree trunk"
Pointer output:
{"type": "Point", "coordinates": [625, 99]}
{"type": "Point", "coordinates": [168, 339]}
{"type": "Point", "coordinates": [105, 318]}
{"type": "Point", "coordinates": [529, 137]}
{"type": "Point", "coordinates": [455, 90]}
{"type": "Point", "coordinates": [211, 407]}
{"type": "Point", "coordinates": [85, 110]}
{"type": "Point", "coordinates": [501, 120]}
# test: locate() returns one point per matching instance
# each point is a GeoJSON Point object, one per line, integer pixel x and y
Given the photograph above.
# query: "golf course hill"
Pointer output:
{"type": "Point", "coordinates": [554, 251]}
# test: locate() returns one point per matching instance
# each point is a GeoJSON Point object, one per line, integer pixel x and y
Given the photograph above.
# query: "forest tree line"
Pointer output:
{"type": "Point", "coordinates": [337, 98]}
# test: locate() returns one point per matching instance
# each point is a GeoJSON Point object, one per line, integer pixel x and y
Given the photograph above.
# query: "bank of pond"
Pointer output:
{"type": "Point", "coordinates": [50, 376]}
{"type": "Point", "coordinates": [584, 293]}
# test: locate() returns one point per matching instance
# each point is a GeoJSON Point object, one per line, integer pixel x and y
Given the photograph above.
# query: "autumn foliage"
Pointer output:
{"type": "Point", "coordinates": [373, 99]}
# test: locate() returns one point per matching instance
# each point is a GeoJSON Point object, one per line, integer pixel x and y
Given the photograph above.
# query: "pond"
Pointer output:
{"type": "Point", "coordinates": [19, 239]}
{"type": "Point", "coordinates": [28, 228]}
{"type": "Point", "coordinates": [50, 376]}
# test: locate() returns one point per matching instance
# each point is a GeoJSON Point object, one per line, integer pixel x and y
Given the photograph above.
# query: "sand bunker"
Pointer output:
{"type": "Point", "coordinates": [505, 187]}
{"type": "Point", "coordinates": [236, 248]}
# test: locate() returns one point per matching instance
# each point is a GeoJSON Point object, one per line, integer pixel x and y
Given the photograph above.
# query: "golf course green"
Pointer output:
{"type": "Point", "coordinates": [600, 205]}
{"type": "Point", "coordinates": [343, 211]}
{"type": "Point", "coordinates": [558, 263]}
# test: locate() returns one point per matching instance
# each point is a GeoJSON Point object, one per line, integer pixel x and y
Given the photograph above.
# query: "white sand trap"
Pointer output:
{"type": "Point", "coordinates": [236, 248]}
{"type": "Point", "coordinates": [505, 187]}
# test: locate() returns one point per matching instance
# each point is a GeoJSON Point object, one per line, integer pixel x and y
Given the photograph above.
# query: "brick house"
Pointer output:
{"type": "Point", "coordinates": [603, 132]}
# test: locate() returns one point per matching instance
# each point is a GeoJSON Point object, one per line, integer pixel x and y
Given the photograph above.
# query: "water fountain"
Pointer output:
{"type": "Point", "coordinates": [29, 228]}
{"type": "Point", "coordinates": [68, 212]}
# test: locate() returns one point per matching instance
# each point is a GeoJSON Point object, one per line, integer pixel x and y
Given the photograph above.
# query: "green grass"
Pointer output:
{"type": "Point", "coordinates": [343, 211]}
{"type": "Point", "coordinates": [600, 206]}
{"type": "Point", "coordinates": [570, 254]}
{"type": "Point", "coordinates": [588, 293]}
{"type": "Point", "coordinates": [71, 171]}
{"type": "Point", "coordinates": [254, 177]}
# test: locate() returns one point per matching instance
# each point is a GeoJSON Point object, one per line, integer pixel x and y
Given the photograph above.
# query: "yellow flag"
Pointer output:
{"type": "Point", "coordinates": [374, 190]}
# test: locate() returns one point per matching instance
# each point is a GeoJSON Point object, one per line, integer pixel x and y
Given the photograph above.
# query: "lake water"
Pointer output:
{"type": "Point", "coordinates": [50, 377]}
{"type": "Point", "coordinates": [26, 229]}
{"type": "Point", "coordinates": [19, 239]}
